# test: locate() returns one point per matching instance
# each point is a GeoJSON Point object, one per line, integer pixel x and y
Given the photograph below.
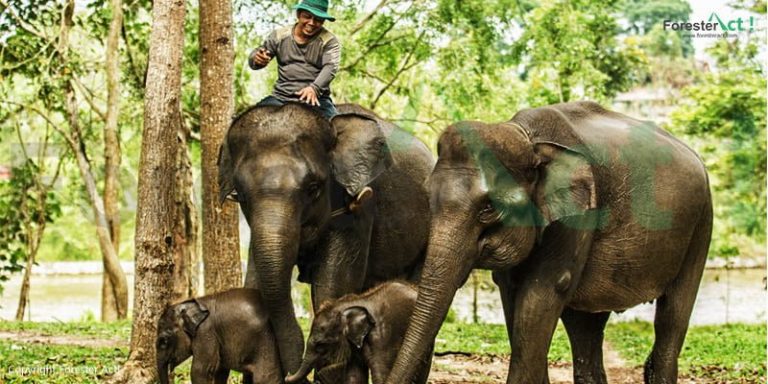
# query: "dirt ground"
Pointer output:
{"type": "Point", "coordinates": [448, 369]}
{"type": "Point", "coordinates": [458, 369]}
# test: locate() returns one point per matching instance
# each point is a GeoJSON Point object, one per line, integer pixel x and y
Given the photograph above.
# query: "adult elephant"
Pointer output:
{"type": "Point", "coordinates": [578, 211]}
{"type": "Point", "coordinates": [345, 201]}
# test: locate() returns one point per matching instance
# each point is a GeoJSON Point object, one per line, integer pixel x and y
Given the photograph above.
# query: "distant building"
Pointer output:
{"type": "Point", "coordinates": [653, 104]}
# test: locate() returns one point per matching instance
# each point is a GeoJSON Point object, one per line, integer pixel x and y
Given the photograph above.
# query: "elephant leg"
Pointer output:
{"type": "Point", "coordinates": [343, 258]}
{"type": "Point", "coordinates": [673, 310]}
{"type": "Point", "coordinates": [357, 372]}
{"type": "Point", "coordinates": [205, 361]}
{"type": "Point", "coordinates": [546, 283]}
{"type": "Point", "coordinates": [507, 290]}
{"type": "Point", "coordinates": [266, 368]}
{"type": "Point", "coordinates": [202, 373]}
{"type": "Point", "coordinates": [585, 331]}
{"type": "Point", "coordinates": [503, 280]}
{"type": "Point", "coordinates": [221, 376]}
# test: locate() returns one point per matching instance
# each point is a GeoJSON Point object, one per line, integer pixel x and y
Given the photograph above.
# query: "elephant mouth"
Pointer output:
{"type": "Point", "coordinates": [486, 251]}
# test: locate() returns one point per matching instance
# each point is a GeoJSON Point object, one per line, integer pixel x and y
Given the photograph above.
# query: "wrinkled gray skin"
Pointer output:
{"type": "Point", "coordinates": [578, 211]}
{"type": "Point", "coordinates": [225, 331]}
{"type": "Point", "coordinates": [367, 329]}
{"type": "Point", "coordinates": [291, 169]}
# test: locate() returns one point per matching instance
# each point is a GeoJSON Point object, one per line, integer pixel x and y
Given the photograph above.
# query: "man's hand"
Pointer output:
{"type": "Point", "coordinates": [308, 95]}
{"type": "Point", "coordinates": [261, 57]}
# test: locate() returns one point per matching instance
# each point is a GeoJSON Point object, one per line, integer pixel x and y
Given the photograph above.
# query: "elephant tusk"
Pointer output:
{"type": "Point", "coordinates": [355, 205]}
{"type": "Point", "coordinates": [361, 198]}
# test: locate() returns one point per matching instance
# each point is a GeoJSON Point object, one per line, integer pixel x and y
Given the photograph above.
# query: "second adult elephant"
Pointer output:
{"type": "Point", "coordinates": [579, 211]}
{"type": "Point", "coordinates": [303, 186]}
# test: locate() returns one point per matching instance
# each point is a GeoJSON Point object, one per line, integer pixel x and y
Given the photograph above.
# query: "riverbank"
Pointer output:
{"type": "Point", "coordinates": [96, 267]}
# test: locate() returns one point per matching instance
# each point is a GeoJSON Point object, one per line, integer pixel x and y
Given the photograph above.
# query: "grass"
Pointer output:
{"type": "Point", "coordinates": [491, 339]}
{"type": "Point", "coordinates": [723, 353]}
{"type": "Point", "coordinates": [729, 353]}
{"type": "Point", "coordinates": [120, 330]}
{"type": "Point", "coordinates": [44, 363]}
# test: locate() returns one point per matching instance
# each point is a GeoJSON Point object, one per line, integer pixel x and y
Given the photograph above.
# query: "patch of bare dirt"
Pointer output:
{"type": "Point", "coordinates": [40, 338]}
{"type": "Point", "coordinates": [460, 369]}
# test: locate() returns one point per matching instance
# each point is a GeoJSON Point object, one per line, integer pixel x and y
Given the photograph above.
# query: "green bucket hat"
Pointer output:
{"type": "Point", "coordinates": [319, 8]}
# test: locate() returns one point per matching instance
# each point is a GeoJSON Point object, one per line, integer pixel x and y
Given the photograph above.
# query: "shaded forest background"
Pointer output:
{"type": "Point", "coordinates": [71, 128]}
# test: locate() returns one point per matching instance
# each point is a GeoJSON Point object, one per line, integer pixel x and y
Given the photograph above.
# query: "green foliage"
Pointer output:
{"type": "Point", "coordinates": [645, 16]}
{"type": "Point", "coordinates": [668, 66]}
{"type": "Point", "coordinates": [24, 206]}
{"type": "Point", "coordinates": [727, 112]}
{"type": "Point", "coordinates": [571, 52]}
{"type": "Point", "coordinates": [726, 353]}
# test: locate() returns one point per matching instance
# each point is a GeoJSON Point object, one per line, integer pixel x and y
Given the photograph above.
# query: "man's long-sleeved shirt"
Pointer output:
{"type": "Point", "coordinates": [299, 65]}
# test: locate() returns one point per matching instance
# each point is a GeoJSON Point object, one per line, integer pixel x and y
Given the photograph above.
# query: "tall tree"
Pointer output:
{"type": "Point", "coordinates": [221, 246]}
{"type": "Point", "coordinates": [32, 205]}
{"type": "Point", "coordinates": [155, 221]}
{"type": "Point", "coordinates": [112, 153]}
{"type": "Point", "coordinates": [59, 88]}
{"type": "Point", "coordinates": [186, 226]}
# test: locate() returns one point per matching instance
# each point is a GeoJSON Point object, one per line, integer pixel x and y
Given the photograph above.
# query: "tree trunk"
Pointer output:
{"type": "Point", "coordinates": [185, 228]}
{"type": "Point", "coordinates": [33, 245]}
{"type": "Point", "coordinates": [221, 245]}
{"type": "Point", "coordinates": [109, 303]}
{"type": "Point", "coordinates": [155, 242]}
{"type": "Point", "coordinates": [24, 293]}
{"type": "Point", "coordinates": [111, 263]}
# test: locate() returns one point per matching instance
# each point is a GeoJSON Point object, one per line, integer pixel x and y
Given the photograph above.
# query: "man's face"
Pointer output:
{"type": "Point", "coordinates": [309, 25]}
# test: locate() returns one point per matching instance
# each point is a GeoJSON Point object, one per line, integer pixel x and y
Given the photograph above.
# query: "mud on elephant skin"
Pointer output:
{"type": "Point", "coordinates": [296, 175]}
{"type": "Point", "coordinates": [225, 331]}
{"type": "Point", "coordinates": [579, 211]}
{"type": "Point", "coordinates": [360, 332]}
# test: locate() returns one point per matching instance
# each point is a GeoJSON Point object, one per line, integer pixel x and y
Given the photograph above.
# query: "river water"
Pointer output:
{"type": "Point", "coordinates": [735, 296]}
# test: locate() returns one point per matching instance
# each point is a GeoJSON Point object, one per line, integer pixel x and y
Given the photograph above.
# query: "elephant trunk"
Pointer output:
{"type": "Point", "coordinates": [273, 252]}
{"type": "Point", "coordinates": [163, 370]}
{"type": "Point", "coordinates": [448, 263]}
{"type": "Point", "coordinates": [306, 366]}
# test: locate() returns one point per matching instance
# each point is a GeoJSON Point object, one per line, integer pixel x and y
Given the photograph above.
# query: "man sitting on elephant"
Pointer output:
{"type": "Point", "coordinates": [308, 56]}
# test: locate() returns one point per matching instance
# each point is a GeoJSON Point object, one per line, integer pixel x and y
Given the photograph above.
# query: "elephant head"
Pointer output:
{"type": "Point", "coordinates": [493, 194]}
{"type": "Point", "coordinates": [176, 329]}
{"type": "Point", "coordinates": [287, 165]}
{"type": "Point", "coordinates": [335, 331]}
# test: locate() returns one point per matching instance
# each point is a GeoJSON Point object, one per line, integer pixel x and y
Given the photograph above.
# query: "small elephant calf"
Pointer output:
{"type": "Point", "coordinates": [358, 333]}
{"type": "Point", "coordinates": [224, 331]}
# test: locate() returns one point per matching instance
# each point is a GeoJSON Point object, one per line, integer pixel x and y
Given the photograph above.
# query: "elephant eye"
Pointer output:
{"type": "Point", "coordinates": [314, 189]}
{"type": "Point", "coordinates": [488, 213]}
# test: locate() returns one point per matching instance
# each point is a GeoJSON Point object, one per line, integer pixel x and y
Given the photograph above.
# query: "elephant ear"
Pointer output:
{"type": "Point", "coordinates": [226, 172]}
{"type": "Point", "coordinates": [361, 153]}
{"type": "Point", "coordinates": [566, 185]}
{"type": "Point", "coordinates": [357, 324]}
{"type": "Point", "coordinates": [193, 313]}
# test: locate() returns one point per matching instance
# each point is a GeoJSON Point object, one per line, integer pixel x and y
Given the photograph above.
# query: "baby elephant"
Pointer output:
{"type": "Point", "coordinates": [360, 332]}
{"type": "Point", "coordinates": [225, 331]}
